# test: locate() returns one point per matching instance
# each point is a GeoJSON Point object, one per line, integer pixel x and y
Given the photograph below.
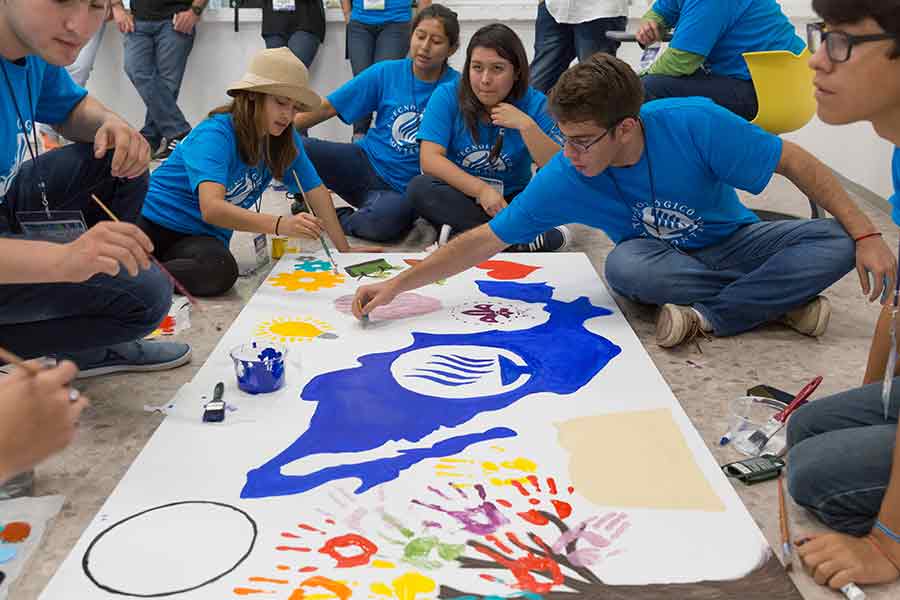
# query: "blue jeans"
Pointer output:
{"type": "Point", "coordinates": [303, 44]}
{"type": "Point", "coordinates": [52, 318]}
{"type": "Point", "coordinates": [737, 95]}
{"type": "Point", "coordinates": [155, 60]}
{"type": "Point", "coordinates": [382, 213]}
{"type": "Point", "coordinates": [369, 44]}
{"type": "Point", "coordinates": [841, 452]}
{"type": "Point", "coordinates": [556, 45]}
{"type": "Point", "coordinates": [760, 272]}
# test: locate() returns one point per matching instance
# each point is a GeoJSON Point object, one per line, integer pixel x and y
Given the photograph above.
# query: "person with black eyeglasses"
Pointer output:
{"type": "Point", "coordinates": [844, 457]}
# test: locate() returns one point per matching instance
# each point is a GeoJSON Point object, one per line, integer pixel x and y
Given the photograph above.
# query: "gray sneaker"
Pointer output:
{"type": "Point", "coordinates": [140, 355]}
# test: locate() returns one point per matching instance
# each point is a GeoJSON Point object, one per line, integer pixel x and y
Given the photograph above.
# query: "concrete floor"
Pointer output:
{"type": "Point", "coordinates": [115, 427]}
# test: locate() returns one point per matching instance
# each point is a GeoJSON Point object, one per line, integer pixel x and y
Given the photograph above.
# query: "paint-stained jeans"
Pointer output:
{"type": "Point", "coordinates": [51, 318]}
{"type": "Point", "coordinates": [759, 273]}
{"type": "Point", "coordinates": [841, 452]}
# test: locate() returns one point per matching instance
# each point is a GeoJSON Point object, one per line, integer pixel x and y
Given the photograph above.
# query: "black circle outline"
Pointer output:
{"type": "Point", "coordinates": [87, 553]}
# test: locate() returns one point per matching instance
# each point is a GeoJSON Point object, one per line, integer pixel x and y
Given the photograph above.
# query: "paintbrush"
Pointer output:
{"type": "Point", "coordinates": [888, 381]}
{"type": "Point", "coordinates": [759, 438]}
{"type": "Point", "coordinates": [175, 282]}
{"type": "Point", "coordinates": [14, 359]}
{"type": "Point", "coordinates": [786, 554]}
{"type": "Point", "coordinates": [313, 213]}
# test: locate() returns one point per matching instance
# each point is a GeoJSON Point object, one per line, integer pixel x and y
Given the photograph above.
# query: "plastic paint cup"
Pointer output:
{"type": "Point", "coordinates": [749, 413]}
{"type": "Point", "coordinates": [279, 246]}
{"type": "Point", "coordinates": [259, 366]}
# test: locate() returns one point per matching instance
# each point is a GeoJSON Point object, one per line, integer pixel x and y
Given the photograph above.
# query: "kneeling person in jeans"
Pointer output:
{"type": "Point", "coordinates": [659, 180]}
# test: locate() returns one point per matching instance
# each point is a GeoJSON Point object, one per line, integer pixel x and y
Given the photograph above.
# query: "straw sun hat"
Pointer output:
{"type": "Point", "coordinates": [277, 71]}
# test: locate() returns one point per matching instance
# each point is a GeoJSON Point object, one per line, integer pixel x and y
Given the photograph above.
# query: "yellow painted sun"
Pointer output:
{"type": "Point", "coordinates": [289, 330]}
{"type": "Point", "coordinates": [310, 282]}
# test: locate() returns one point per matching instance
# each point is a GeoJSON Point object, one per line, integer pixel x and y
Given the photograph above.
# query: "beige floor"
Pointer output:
{"type": "Point", "coordinates": [115, 427]}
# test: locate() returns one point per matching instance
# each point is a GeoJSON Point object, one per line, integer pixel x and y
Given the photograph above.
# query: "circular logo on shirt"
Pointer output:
{"type": "Point", "coordinates": [406, 128]}
{"type": "Point", "coordinates": [671, 222]}
{"type": "Point", "coordinates": [480, 160]}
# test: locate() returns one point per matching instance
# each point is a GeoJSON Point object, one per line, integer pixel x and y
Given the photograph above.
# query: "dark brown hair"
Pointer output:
{"type": "Point", "coordinates": [247, 112]}
{"type": "Point", "coordinates": [843, 12]}
{"type": "Point", "coordinates": [603, 89]}
{"type": "Point", "coordinates": [448, 18]}
{"type": "Point", "coordinates": [504, 41]}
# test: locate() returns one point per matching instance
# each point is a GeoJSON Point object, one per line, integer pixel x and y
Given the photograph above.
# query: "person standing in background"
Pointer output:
{"type": "Point", "coordinates": [568, 29]}
{"type": "Point", "coordinates": [159, 36]}
{"type": "Point", "coordinates": [297, 24]}
{"type": "Point", "coordinates": [377, 30]}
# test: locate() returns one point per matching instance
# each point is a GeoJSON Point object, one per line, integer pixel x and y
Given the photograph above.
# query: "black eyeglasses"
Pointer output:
{"type": "Point", "coordinates": [838, 44]}
{"type": "Point", "coordinates": [582, 147]}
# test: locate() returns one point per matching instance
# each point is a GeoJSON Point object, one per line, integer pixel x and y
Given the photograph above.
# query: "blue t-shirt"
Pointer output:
{"type": "Point", "coordinates": [698, 153]}
{"type": "Point", "coordinates": [390, 89]}
{"type": "Point", "coordinates": [722, 30]}
{"type": "Point", "coordinates": [52, 97]}
{"type": "Point", "coordinates": [443, 124]}
{"type": "Point", "coordinates": [895, 167]}
{"type": "Point", "coordinates": [210, 153]}
{"type": "Point", "coordinates": [394, 11]}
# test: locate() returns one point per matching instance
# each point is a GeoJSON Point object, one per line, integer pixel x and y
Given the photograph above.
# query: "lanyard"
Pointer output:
{"type": "Point", "coordinates": [621, 196]}
{"type": "Point", "coordinates": [42, 186]}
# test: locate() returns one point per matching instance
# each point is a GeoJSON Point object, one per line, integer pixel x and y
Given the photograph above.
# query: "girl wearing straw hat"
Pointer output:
{"type": "Point", "coordinates": [213, 182]}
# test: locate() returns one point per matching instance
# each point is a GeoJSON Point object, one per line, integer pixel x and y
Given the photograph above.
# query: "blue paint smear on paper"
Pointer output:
{"type": "Point", "coordinates": [364, 407]}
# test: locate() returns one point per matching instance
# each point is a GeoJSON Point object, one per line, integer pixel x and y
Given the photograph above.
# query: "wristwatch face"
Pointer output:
{"type": "Point", "coordinates": [197, 10]}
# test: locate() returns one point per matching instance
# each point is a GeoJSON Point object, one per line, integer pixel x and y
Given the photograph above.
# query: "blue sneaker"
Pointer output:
{"type": "Point", "coordinates": [552, 240]}
{"type": "Point", "coordinates": [137, 356]}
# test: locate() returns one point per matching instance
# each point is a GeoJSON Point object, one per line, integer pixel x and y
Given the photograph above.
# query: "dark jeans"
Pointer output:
{"type": "Point", "coordinates": [737, 95]}
{"type": "Point", "coordinates": [556, 45]}
{"type": "Point", "coordinates": [760, 272]}
{"type": "Point", "coordinates": [841, 452]}
{"type": "Point", "coordinates": [369, 44]}
{"type": "Point", "coordinates": [203, 264]}
{"type": "Point", "coordinates": [155, 60]}
{"type": "Point", "coordinates": [303, 44]}
{"type": "Point", "coordinates": [382, 214]}
{"type": "Point", "coordinates": [52, 318]}
{"type": "Point", "coordinates": [439, 203]}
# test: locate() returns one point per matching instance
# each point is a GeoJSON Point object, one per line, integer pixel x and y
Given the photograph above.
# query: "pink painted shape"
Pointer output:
{"type": "Point", "coordinates": [404, 305]}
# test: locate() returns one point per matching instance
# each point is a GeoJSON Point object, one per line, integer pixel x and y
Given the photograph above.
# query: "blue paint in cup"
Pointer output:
{"type": "Point", "coordinates": [259, 366]}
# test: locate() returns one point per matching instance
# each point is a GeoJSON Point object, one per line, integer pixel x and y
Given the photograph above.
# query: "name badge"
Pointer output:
{"type": "Point", "coordinates": [373, 4]}
{"type": "Point", "coordinates": [60, 226]}
{"type": "Point", "coordinates": [284, 5]}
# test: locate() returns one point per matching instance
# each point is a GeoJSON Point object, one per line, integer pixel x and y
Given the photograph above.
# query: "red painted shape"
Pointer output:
{"type": "Point", "coordinates": [505, 503]}
{"type": "Point", "coordinates": [533, 501]}
{"type": "Point", "coordinates": [330, 521]}
{"type": "Point", "coordinates": [551, 483]}
{"type": "Point", "coordinates": [487, 577]}
{"type": "Point", "coordinates": [533, 516]}
{"type": "Point", "coordinates": [522, 569]}
{"type": "Point", "coordinates": [520, 487]}
{"type": "Point", "coordinates": [331, 547]}
{"type": "Point", "coordinates": [268, 580]}
{"type": "Point", "coordinates": [290, 535]}
{"type": "Point", "coordinates": [338, 589]}
{"type": "Point", "coordinates": [310, 528]}
{"type": "Point", "coordinates": [571, 489]}
{"type": "Point", "coordinates": [241, 591]}
{"type": "Point", "coordinates": [563, 509]}
{"type": "Point", "coordinates": [293, 549]}
{"type": "Point", "coordinates": [534, 481]}
{"type": "Point", "coordinates": [412, 261]}
{"type": "Point", "coordinates": [168, 325]}
{"type": "Point", "coordinates": [498, 543]}
{"type": "Point", "coordinates": [15, 532]}
{"type": "Point", "coordinates": [307, 569]}
{"type": "Point", "coordinates": [505, 270]}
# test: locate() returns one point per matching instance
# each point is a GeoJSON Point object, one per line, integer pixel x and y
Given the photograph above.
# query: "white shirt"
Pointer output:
{"type": "Point", "coordinates": [579, 11]}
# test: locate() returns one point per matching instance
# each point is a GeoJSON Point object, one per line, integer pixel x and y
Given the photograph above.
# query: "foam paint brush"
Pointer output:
{"type": "Point", "coordinates": [334, 264]}
{"type": "Point", "coordinates": [759, 438]}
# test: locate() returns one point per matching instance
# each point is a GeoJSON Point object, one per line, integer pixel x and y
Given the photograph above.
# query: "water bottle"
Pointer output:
{"type": "Point", "coordinates": [649, 55]}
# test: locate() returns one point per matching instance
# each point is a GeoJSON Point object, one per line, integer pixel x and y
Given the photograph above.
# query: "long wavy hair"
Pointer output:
{"type": "Point", "coordinates": [255, 143]}
{"type": "Point", "coordinates": [504, 41]}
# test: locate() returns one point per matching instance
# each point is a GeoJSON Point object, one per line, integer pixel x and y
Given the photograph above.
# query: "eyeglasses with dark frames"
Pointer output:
{"type": "Point", "coordinates": [582, 147]}
{"type": "Point", "coordinates": [838, 44]}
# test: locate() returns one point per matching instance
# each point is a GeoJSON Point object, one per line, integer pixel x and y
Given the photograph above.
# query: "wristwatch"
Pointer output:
{"type": "Point", "coordinates": [197, 10]}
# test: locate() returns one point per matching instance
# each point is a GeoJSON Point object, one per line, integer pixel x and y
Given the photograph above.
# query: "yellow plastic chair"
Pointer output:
{"type": "Point", "coordinates": [784, 91]}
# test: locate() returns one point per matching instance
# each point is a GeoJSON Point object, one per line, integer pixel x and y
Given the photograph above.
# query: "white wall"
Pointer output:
{"type": "Point", "coordinates": [220, 56]}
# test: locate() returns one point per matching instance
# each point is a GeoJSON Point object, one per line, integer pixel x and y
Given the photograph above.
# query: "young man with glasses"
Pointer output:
{"type": "Point", "coordinates": [659, 180]}
{"type": "Point", "coordinates": [844, 453]}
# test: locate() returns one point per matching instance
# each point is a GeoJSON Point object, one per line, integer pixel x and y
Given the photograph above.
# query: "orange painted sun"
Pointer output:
{"type": "Point", "coordinates": [289, 330]}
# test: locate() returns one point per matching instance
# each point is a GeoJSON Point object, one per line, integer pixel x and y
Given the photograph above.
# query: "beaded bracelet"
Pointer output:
{"type": "Point", "coordinates": [868, 235]}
